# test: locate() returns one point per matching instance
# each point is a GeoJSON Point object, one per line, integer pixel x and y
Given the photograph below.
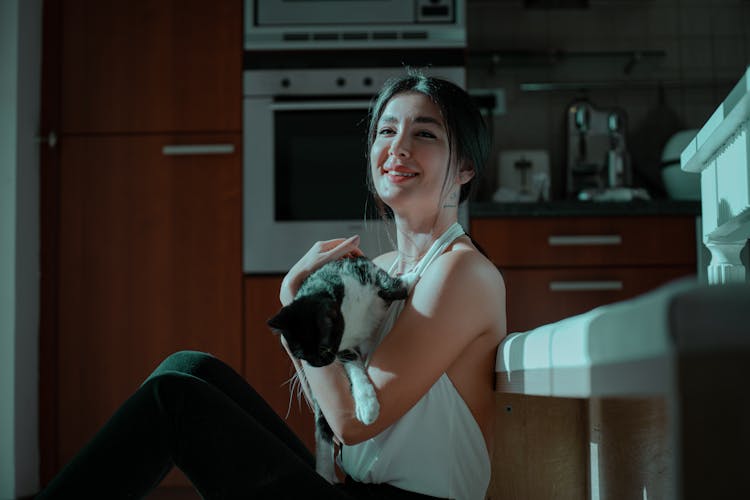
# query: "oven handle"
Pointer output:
{"type": "Point", "coordinates": [319, 105]}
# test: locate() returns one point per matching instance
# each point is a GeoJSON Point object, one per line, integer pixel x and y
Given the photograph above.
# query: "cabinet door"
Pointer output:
{"type": "Point", "coordinates": [150, 263]}
{"type": "Point", "coordinates": [267, 367]}
{"type": "Point", "coordinates": [145, 66]}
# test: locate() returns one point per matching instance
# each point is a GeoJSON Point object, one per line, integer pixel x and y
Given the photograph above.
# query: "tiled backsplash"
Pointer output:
{"type": "Point", "coordinates": [705, 47]}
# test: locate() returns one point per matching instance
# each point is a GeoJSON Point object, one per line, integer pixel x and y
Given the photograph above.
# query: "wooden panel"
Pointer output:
{"type": "Point", "coordinates": [144, 66]}
{"type": "Point", "coordinates": [150, 263]}
{"type": "Point", "coordinates": [531, 303]}
{"type": "Point", "coordinates": [524, 241]}
{"type": "Point", "coordinates": [540, 448]}
{"type": "Point", "coordinates": [267, 367]}
{"type": "Point", "coordinates": [631, 450]}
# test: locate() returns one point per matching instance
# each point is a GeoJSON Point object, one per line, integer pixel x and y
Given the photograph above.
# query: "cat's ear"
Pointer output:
{"type": "Point", "coordinates": [283, 319]}
{"type": "Point", "coordinates": [394, 288]}
{"type": "Point", "coordinates": [399, 292]}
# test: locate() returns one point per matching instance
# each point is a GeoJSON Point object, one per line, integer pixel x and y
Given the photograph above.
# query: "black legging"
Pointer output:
{"type": "Point", "coordinates": [197, 413]}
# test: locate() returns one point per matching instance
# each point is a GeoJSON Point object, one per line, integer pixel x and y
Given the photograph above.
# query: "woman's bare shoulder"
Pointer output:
{"type": "Point", "coordinates": [464, 262]}
{"type": "Point", "coordinates": [470, 280]}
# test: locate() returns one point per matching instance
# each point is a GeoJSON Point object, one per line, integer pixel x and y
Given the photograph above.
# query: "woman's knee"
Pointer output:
{"type": "Point", "coordinates": [188, 362]}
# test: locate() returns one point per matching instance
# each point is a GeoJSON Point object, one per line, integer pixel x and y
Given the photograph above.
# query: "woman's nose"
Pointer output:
{"type": "Point", "coordinates": [400, 146]}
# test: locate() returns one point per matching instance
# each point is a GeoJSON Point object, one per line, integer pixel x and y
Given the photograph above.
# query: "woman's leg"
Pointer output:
{"type": "Point", "coordinates": [220, 375]}
{"type": "Point", "coordinates": [221, 444]}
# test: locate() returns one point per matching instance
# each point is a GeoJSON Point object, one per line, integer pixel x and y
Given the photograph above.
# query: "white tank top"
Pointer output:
{"type": "Point", "coordinates": [437, 447]}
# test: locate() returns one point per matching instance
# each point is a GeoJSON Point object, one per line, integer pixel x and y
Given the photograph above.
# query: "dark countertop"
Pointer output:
{"type": "Point", "coordinates": [567, 208]}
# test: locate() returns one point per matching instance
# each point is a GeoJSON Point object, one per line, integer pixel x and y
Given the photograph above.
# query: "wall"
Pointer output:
{"type": "Point", "coordinates": [705, 45]}
{"type": "Point", "coordinates": [20, 58]}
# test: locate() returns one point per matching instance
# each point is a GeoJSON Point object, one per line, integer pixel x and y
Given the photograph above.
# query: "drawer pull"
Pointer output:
{"type": "Point", "coordinates": [587, 239]}
{"type": "Point", "coordinates": [584, 286]}
{"type": "Point", "coordinates": [197, 149]}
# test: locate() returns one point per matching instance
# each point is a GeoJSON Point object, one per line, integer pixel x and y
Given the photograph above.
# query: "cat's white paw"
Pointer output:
{"type": "Point", "coordinates": [366, 406]}
{"type": "Point", "coordinates": [368, 410]}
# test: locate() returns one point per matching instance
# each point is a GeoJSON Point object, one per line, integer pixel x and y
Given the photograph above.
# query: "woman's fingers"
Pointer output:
{"type": "Point", "coordinates": [337, 245]}
{"type": "Point", "coordinates": [344, 248]}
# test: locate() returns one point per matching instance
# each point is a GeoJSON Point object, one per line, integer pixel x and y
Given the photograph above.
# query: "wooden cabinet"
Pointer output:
{"type": "Point", "coordinates": [555, 267]}
{"type": "Point", "coordinates": [145, 66]}
{"type": "Point", "coordinates": [150, 263]}
{"type": "Point", "coordinates": [267, 367]}
{"type": "Point", "coordinates": [146, 202]}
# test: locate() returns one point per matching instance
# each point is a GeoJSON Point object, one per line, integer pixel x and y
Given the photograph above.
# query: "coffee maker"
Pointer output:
{"type": "Point", "coordinates": [596, 144]}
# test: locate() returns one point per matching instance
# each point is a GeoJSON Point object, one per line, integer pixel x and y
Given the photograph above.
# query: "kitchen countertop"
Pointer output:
{"type": "Point", "coordinates": [567, 208]}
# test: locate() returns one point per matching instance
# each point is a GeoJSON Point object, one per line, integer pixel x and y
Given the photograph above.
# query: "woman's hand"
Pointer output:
{"type": "Point", "coordinates": [321, 253]}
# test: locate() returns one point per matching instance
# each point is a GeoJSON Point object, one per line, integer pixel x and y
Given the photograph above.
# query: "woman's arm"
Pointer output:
{"type": "Point", "coordinates": [457, 301]}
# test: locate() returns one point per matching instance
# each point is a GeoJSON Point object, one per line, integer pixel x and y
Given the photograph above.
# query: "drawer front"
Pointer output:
{"type": "Point", "coordinates": [587, 241]}
{"type": "Point", "coordinates": [539, 296]}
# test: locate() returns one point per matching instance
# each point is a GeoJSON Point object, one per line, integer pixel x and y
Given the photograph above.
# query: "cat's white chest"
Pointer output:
{"type": "Point", "coordinates": [363, 310]}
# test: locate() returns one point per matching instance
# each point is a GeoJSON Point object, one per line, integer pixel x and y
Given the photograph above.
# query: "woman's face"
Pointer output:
{"type": "Point", "coordinates": [410, 154]}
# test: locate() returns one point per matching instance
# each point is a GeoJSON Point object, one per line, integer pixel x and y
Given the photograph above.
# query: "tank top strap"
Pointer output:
{"type": "Point", "coordinates": [438, 247]}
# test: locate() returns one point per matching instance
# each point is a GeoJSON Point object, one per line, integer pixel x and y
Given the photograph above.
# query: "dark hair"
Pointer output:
{"type": "Point", "coordinates": [469, 140]}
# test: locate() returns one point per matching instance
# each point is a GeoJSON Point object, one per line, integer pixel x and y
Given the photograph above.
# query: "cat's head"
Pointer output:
{"type": "Point", "coordinates": [312, 326]}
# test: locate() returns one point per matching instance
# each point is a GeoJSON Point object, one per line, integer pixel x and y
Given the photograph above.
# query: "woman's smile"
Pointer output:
{"type": "Point", "coordinates": [399, 174]}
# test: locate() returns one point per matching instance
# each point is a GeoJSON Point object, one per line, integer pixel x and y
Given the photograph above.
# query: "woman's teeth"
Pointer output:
{"type": "Point", "coordinates": [402, 174]}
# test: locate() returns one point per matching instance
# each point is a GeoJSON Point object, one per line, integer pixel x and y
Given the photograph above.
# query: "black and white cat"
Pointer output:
{"type": "Point", "coordinates": [335, 314]}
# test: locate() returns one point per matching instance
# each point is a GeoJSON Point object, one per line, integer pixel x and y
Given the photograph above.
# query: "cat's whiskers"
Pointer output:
{"type": "Point", "coordinates": [295, 385]}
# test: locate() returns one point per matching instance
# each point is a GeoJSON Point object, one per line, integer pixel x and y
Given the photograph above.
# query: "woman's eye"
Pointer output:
{"type": "Point", "coordinates": [426, 133]}
{"type": "Point", "coordinates": [385, 131]}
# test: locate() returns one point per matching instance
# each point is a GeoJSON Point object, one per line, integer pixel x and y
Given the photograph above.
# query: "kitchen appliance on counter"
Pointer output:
{"type": "Point", "coordinates": [522, 176]}
{"type": "Point", "coordinates": [598, 164]}
{"type": "Point", "coordinates": [680, 185]}
{"type": "Point", "coordinates": [348, 24]}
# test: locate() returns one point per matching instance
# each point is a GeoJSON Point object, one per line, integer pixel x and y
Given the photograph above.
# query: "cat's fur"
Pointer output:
{"type": "Point", "coordinates": [335, 314]}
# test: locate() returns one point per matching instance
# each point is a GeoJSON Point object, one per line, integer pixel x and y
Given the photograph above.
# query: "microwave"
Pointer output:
{"type": "Point", "coordinates": [352, 24]}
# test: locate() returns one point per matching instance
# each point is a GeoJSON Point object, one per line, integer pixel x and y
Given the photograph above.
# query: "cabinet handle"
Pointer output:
{"type": "Point", "coordinates": [584, 286]}
{"type": "Point", "coordinates": [49, 139]}
{"type": "Point", "coordinates": [582, 240]}
{"type": "Point", "coordinates": [197, 149]}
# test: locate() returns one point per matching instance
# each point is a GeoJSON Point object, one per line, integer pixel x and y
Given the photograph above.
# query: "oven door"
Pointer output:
{"type": "Point", "coordinates": [305, 179]}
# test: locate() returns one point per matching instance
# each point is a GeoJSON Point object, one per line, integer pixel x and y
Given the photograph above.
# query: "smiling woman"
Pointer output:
{"type": "Point", "coordinates": [432, 367]}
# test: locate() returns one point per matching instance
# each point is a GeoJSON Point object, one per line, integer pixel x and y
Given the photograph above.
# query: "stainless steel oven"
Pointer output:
{"type": "Point", "coordinates": [304, 162]}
